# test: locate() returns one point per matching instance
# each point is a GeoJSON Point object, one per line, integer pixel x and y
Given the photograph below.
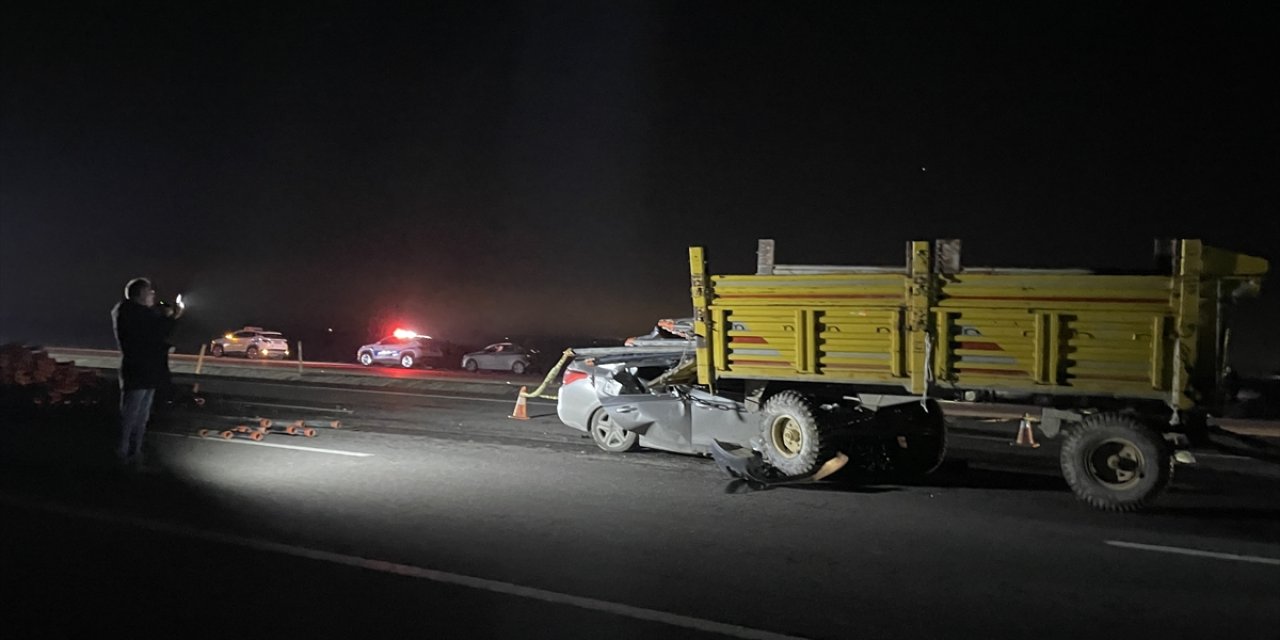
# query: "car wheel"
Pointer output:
{"type": "Point", "coordinates": [518, 368]}
{"type": "Point", "coordinates": [609, 436]}
{"type": "Point", "coordinates": [216, 351]}
{"type": "Point", "coordinates": [406, 360]}
{"type": "Point", "coordinates": [366, 358]}
{"type": "Point", "coordinates": [251, 352]}
{"type": "Point", "coordinates": [471, 365]}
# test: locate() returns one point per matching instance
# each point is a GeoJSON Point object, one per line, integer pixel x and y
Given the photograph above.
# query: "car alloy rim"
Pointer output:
{"type": "Point", "coordinates": [606, 432]}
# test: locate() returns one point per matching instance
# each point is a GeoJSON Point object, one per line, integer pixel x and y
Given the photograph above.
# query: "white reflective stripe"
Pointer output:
{"type": "Point", "coordinates": [856, 354]}
{"type": "Point", "coordinates": [988, 360]}
{"type": "Point", "coordinates": [755, 352]}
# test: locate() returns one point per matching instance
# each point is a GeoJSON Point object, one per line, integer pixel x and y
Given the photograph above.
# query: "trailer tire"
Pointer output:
{"type": "Point", "coordinates": [1115, 463]}
{"type": "Point", "coordinates": [920, 444]}
{"type": "Point", "coordinates": [796, 442]}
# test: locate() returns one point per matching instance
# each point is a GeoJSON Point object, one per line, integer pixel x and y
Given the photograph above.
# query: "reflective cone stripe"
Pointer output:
{"type": "Point", "coordinates": [522, 406]}
{"type": "Point", "coordinates": [1026, 434]}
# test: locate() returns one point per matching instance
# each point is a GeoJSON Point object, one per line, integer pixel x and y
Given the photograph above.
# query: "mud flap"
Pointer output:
{"type": "Point", "coordinates": [748, 467]}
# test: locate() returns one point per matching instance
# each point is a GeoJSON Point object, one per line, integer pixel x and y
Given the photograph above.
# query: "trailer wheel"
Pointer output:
{"type": "Point", "coordinates": [795, 441]}
{"type": "Point", "coordinates": [920, 443]}
{"type": "Point", "coordinates": [1115, 463]}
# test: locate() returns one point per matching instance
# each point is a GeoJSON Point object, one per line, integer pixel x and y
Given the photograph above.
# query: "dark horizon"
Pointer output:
{"type": "Point", "coordinates": [541, 168]}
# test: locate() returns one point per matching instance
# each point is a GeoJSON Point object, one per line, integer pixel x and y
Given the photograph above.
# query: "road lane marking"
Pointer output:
{"type": "Point", "coordinates": [1193, 552]}
{"type": "Point", "coordinates": [336, 452]}
{"type": "Point", "coordinates": [292, 406]}
{"type": "Point", "coordinates": [412, 571]}
{"type": "Point", "coordinates": [395, 393]}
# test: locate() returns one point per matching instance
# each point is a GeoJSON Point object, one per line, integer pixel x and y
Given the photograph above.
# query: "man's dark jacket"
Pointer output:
{"type": "Point", "coordinates": [143, 335]}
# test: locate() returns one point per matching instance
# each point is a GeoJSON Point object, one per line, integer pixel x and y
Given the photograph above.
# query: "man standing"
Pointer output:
{"type": "Point", "coordinates": [142, 332]}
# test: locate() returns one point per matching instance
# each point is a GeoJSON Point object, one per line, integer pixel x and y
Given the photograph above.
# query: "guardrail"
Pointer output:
{"type": "Point", "coordinates": [327, 373]}
{"type": "Point", "coordinates": [496, 384]}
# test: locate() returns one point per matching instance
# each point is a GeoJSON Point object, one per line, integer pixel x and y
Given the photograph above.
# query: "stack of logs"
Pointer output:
{"type": "Point", "coordinates": [30, 372]}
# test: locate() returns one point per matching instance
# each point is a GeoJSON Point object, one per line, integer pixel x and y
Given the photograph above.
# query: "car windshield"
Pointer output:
{"type": "Point", "coordinates": [273, 335]}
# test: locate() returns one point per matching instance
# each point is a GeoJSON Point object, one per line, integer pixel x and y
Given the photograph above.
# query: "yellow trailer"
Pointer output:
{"type": "Point", "coordinates": [1126, 363]}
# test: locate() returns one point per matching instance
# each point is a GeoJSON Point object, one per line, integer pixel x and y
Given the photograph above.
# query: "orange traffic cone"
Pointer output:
{"type": "Point", "coordinates": [1026, 434]}
{"type": "Point", "coordinates": [522, 407]}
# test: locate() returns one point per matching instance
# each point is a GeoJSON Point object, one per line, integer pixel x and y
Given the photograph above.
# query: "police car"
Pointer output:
{"type": "Point", "coordinates": [403, 347]}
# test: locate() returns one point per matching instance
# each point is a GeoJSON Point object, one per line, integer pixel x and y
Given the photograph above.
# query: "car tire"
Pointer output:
{"type": "Point", "coordinates": [365, 358]}
{"type": "Point", "coordinates": [471, 365]}
{"type": "Point", "coordinates": [251, 352]}
{"type": "Point", "coordinates": [609, 437]}
{"type": "Point", "coordinates": [518, 368]}
{"type": "Point", "coordinates": [217, 351]}
{"type": "Point", "coordinates": [407, 360]}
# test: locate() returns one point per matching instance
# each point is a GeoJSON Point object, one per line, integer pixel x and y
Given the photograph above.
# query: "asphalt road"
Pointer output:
{"type": "Point", "coordinates": [439, 514]}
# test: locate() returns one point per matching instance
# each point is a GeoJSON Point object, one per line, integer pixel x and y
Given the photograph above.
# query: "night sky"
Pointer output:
{"type": "Point", "coordinates": [484, 169]}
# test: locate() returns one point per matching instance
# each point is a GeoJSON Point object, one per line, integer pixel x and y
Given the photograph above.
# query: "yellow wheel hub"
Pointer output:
{"type": "Point", "coordinates": [787, 437]}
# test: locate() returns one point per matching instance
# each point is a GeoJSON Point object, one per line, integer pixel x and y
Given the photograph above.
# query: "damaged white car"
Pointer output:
{"type": "Point", "coordinates": [630, 400]}
{"type": "Point", "coordinates": [644, 397]}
